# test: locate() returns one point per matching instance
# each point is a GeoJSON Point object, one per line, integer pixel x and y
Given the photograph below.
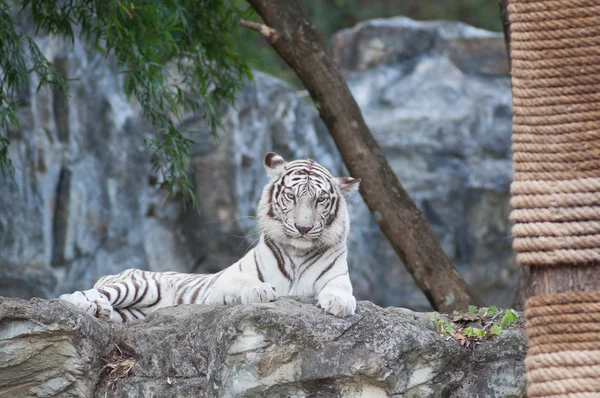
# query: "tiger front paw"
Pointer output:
{"type": "Point", "coordinates": [262, 293]}
{"type": "Point", "coordinates": [91, 302]}
{"type": "Point", "coordinates": [338, 303]}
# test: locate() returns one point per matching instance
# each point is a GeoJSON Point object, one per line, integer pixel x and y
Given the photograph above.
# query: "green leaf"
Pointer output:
{"type": "Point", "coordinates": [492, 310]}
{"type": "Point", "coordinates": [479, 332]}
{"type": "Point", "coordinates": [449, 329]}
{"type": "Point", "coordinates": [143, 38]}
{"type": "Point", "coordinates": [456, 312]}
{"type": "Point", "coordinates": [438, 324]}
{"type": "Point", "coordinates": [497, 330]}
{"type": "Point", "coordinates": [469, 332]}
{"type": "Point", "coordinates": [510, 316]}
{"type": "Point", "coordinates": [472, 308]}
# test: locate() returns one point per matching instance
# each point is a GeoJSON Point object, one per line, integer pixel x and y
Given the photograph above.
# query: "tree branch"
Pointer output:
{"type": "Point", "coordinates": [269, 33]}
{"type": "Point", "coordinates": [302, 48]}
{"type": "Point", "coordinates": [503, 4]}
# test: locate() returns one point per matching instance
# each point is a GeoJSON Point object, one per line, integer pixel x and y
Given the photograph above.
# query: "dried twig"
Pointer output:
{"type": "Point", "coordinates": [118, 366]}
{"type": "Point", "coordinates": [269, 33]}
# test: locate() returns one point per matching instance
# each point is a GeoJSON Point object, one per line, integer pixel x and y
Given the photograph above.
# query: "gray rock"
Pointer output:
{"type": "Point", "coordinates": [436, 95]}
{"type": "Point", "coordinates": [49, 350]}
{"type": "Point", "coordinates": [287, 348]}
{"type": "Point", "coordinates": [84, 201]}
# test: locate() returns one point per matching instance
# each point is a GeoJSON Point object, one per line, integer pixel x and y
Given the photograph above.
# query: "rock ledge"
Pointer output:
{"type": "Point", "coordinates": [288, 348]}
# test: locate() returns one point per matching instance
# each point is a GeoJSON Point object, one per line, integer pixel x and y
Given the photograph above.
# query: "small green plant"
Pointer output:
{"type": "Point", "coordinates": [510, 316]}
{"type": "Point", "coordinates": [442, 327]}
{"type": "Point", "coordinates": [471, 327]}
{"type": "Point", "coordinates": [449, 329]}
{"type": "Point", "coordinates": [497, 330]}
{"type": "Point", "coordinates": [474, 332]}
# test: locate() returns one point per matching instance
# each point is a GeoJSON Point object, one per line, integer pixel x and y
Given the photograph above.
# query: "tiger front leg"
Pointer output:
{"type": "Point", "coordinates": [233, 284]}
{"type": "Point", "coordinates": [260, 293]}
{"type": "Point", "coordinates": [335, 296]}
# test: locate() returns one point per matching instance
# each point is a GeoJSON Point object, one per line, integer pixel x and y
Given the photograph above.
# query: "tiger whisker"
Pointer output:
{"type": "Point", "coordinates": [251, 245]}
{"type": "Point", "coordinates": [240, 217]}
{"type": "Point", "coordinates": [248, 235]}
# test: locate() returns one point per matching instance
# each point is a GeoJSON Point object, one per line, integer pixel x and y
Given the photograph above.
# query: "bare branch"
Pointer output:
{"type": "Point", "coordinates": [269, 33]}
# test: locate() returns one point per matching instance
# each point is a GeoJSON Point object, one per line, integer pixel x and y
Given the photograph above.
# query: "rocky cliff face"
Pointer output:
{"type": "Point", "coordinates": [83, 204]}
{"type": "Point", "coordinates": [287, 348]}
{"type": "Point", "coordinates": [436, 95]}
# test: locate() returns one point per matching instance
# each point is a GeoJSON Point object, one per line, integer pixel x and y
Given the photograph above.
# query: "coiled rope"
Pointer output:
{"type": "Point", "coordinates": [555, 72]}
{"type": "Point", "coordinates": [564, 345]}
{"type": "Point", "coordinates": [555, 52]}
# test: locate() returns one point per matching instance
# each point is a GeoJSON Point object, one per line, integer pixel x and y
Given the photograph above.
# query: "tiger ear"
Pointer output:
{"type": "Point", "coordinates": [274, 164]}
{"type": "Point", "coordinates": [348, 185]}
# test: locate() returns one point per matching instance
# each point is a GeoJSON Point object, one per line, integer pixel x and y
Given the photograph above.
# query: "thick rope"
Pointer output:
{"type": "Point", "coordinates": [555, 72]}
{"type": "Point", "coordinates": [555, 58]}
{"type": "Point", "coordinates": [564, 345]}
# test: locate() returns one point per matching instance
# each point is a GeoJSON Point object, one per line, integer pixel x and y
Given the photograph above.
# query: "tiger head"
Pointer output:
{"type": "Point", "coordinates": [303, 205]}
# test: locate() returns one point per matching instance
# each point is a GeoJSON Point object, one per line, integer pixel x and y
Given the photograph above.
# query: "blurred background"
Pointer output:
{"type": "Point", "coordinates": [431, 78]}
{"type": "Point", "coordinates": [330, 16]}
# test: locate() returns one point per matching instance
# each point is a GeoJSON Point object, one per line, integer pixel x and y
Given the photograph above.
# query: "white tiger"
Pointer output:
{"type": "Point", "coordinates": [302, 251]}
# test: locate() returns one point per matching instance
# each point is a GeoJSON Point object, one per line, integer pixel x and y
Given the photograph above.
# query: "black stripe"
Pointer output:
{"type": "Point", "coordinates": [318, 253]}
{"type": "Point", "coordinates": [292, 264]}
{"type": "Point", "coordinates": [141, 296]}
{"type": "Point", "coordinates": [104, 292]}
{"type": "Point", "coordinates": [328, 268]}
{"type": "Point", "coordinates": [212, 282]}
{"type": "Point", "coordinates": [190, 279]}
{"type": "Point", "coordinates": [214, 279]}
{"type": "Point", "coordinates": [183, 288]}
{"type": "Point", "coordinates": [136, 290]}
{"type": "Point", "coordinates": [279, 190]}
{"type": "Point", "coordinates": [85, 295]}
{"type": "Point", "coordinates": [327, 283]}
{"type": "Point", "coordinates": [270, 212]}
{"type": "Point", "coordinates": [333, 216]}
{"type": "Point", "coordinates": [123, 317]}
{"type": "Point", "coordinates": [323, 170]}
{"type": "Point", "coordinates": [137, 314]}
{"type": "Point", "coordinates": [198, 288]}
{"type": "Point", "coordinates": [190, 284]}
{"type": "Point", "coordinates": [158, 293]}
{"type": "Point", "coordinates": [278, 257]}
{"type": "Point", "coordinates": [119, 292]}
{"type": "Point", "coordinates": [260, 275]}
{"type": "Point", "coordinates": [125, 295]}
{"type": "Point", "coordinates": [307, 253]}
{"type": "Point", "coordinates": [316, 257]}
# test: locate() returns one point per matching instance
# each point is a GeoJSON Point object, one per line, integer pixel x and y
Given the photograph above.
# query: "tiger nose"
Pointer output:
{"type": "Point", "coordinates": [302, 230]}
